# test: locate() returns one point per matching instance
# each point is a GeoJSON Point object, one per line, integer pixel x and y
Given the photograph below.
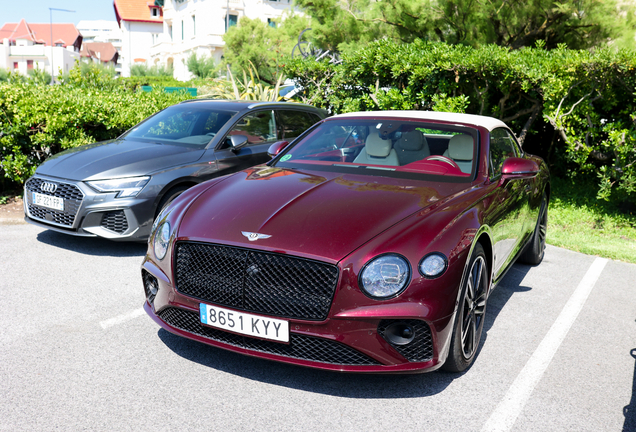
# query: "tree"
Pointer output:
{"type": "Point", "coordinates": [510, 23]}
{"type": "Point", "coordinates": [203, 67]}
{"type": "Point", "coordinates": [267, 48]}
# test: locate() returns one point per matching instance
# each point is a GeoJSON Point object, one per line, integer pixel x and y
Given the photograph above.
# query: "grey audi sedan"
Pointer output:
{"type": "Point", "coordinates": [114, 189]}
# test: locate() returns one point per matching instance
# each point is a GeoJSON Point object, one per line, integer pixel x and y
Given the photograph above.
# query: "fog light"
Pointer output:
{"type": "Point", "coordinates": [399, 333]}
{"type": "Point", "coordinates": [151, 286]}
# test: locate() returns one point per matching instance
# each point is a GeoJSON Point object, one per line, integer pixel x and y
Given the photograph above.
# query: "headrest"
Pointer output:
{"type": "Point", "coordinates": [460, 147]}
{"type": "Point", "coordinates": [411, 141]}
{"type": "Point", "coordinates": [376, 146]}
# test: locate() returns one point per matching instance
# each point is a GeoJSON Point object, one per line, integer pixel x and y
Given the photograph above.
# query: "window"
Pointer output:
{"type": "Point", "coordinates": [29, 64]}
{"type": "Point", "coordinates": [293, 123]}
{"type": "Point", "coordinates": [182, 25]}
{"type": "Point", "coordinates": [271, 22]}
{"type": "Point", "coordinates": [232, 20]}
{"type": "Point", "coordinates": [15, 65]}
{"type": "Point", "coordinates": [194, 26]}
{"type": "Point", "coordinates": [258, 127]}
{"type": "Point", "coordinates": [502, 146]}
{"type": "Point", "coordinates": [170, 32]}
{"type": "Point", "coordinates": [154, 12]}
{"type": "Point", "coordinates": [182, 125]}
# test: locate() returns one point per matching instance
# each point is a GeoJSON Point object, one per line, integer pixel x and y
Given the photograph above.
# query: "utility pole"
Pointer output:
{"type": "Point", "coordinates": [53, 42]}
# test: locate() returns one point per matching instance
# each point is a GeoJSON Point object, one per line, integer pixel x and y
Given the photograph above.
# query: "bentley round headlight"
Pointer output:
{"type": "Point", "coordinates": [433, 265]}
{"type": "Point", "coordinates": [162, 239]}
{"type": "Point", "coordinates": [385, 276]}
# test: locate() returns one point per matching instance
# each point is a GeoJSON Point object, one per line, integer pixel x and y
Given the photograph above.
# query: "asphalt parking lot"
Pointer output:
{"type": "Point", "coordinates": [78, 353]}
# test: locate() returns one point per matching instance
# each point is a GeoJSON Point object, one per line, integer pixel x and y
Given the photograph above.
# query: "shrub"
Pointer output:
{"type": "Point", "coordinates": [38, 121]}
{"type": "Point", "coordinates": [143, 70]}
{"type": "Point", "coordinates": [576, 108]}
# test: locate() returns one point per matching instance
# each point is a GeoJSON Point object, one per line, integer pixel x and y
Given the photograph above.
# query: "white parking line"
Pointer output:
{"type": "Point", "coordinates": [122, 318]}
{"type": "Point", "coordinates": [506, 413]}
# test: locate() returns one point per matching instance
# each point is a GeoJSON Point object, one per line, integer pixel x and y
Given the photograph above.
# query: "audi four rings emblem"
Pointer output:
{"type": "Point", "coordinates": [48, 187]}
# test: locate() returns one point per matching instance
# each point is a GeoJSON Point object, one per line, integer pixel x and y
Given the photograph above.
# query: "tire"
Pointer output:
{"type": "Point", "coordinates": [471, 313]}
{"type": "Point", "coordinates": [533, 254]}
{"type": "Point", "coordinates": [169, 197]}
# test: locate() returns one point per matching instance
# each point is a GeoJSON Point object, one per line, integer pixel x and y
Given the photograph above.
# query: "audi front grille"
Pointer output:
{"type": "Point", "coordinates": [70, 193]}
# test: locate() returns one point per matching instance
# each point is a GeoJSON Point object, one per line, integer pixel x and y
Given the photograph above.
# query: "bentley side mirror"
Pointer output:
{"type": "Point", "coordinates": [277, 147]}
{"type": "Point", "coordinates": [515, 167]}
{"type": "Point", "coordinates": [237, 141]}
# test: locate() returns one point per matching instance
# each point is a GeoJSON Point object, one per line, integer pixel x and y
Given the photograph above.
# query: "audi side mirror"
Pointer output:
{"type": "Point", "coordinates": [276, 148]}
{"type": "Point", "coordinates": [237, 141]}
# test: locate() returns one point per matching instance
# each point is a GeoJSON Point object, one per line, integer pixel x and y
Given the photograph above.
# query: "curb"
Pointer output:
{"type": "Point", "coordinates": [12, 221]}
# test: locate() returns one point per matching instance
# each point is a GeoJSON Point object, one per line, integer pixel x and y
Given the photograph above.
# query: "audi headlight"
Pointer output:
{"type": "Point", "coordinates": [433, 265]}
{"type": "Point", "coordinates": [385, 276]}
{"type": "Point", "coordinates": [127, 187]}
{"type": "Point", "coordinates": [161, 240]}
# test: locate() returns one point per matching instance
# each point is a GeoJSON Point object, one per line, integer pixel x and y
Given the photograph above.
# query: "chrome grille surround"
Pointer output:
{"type": "Point", "coordinates": [70, 193]}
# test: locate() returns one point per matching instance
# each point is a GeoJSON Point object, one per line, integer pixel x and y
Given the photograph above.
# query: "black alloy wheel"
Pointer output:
{"type": "Point", "coordinates": [471, 313]}
{"type": "Point", "coordinates": [533, 254]}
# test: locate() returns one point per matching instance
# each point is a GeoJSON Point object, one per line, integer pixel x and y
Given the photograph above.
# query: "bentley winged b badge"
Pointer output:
{"type": "Point", "coordinates": [254, 236]}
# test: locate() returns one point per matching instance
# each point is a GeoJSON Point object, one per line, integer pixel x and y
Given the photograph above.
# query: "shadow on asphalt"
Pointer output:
{"type": "Point", "coordinates": [340, 384]}
{"type": "Point", "coordinates": [92, 245]}
{"type": "Point", "coordinates": [630, 410]}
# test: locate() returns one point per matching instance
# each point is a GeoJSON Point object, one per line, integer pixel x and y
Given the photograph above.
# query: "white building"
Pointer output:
{"type": "Point", "coordinates": [39, 46]}
{"type": "Point", "coordinates": [103, 31]}
{"type": "Point", "coordinates": [198, 26]}
{"type": "Point", "coordinates": [141, 23]}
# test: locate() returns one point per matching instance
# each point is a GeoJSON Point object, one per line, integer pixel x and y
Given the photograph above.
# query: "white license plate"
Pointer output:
{"type": "Point", "coordinates": [244, 323]}
{"type": "Point", "coordinates": [48, 201]}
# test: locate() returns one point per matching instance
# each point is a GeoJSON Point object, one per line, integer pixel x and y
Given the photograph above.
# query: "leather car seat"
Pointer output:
{"type": "Point", "coordinates": [460, 149]}
{"type": "Point", "coordinates": [377, 151]}
{"type": "Point", "coordinates": [411, 146]}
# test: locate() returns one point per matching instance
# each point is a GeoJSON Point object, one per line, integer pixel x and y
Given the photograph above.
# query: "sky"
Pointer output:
{"type": "Point", "coordinates": [37, 11]}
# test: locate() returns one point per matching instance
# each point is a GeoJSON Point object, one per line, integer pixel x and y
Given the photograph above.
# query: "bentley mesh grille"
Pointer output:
{"type": "Point", "coordinates": [115, 221]}
{"type": "Point", "coordinates": [256, 281]}
{"type": "Point", "coordinates": [300, 346]}
{"type": "Point", "coordinates": [420, 348]}
{"type": "Point", "coordinates": [70, 193]}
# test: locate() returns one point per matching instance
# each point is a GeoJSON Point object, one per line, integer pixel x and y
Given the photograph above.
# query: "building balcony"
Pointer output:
{"type": "Point", "coordinates": [27, 51]}
{"type": "Point", "coordinates": [175, 48]}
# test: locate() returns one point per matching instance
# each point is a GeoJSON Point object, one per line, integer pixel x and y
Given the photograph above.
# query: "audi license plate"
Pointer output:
{"type": "Point", "coordinates": [244, 323]}
{"type": "Point", "coordinates": [48, 201]}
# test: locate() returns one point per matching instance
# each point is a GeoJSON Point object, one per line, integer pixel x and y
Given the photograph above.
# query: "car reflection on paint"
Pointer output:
{"type": "Point", "coordinates": [371, 244]}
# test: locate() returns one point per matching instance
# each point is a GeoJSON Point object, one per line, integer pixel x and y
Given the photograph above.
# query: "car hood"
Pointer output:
{"type": "Point", "coordinates": [116, 158]}
{"type": "Point", "coordinates": [319, 215]}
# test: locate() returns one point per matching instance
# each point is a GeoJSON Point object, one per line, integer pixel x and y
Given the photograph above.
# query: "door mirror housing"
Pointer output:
{"type": "Point", "coordinates": [277, 147]}
{"type": "Point", "coordinates": [515, 167]}
{"type": "Point", "coordinates": [237, 141]}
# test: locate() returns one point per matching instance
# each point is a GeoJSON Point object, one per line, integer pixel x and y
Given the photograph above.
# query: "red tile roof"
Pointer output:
{"type": "Point", "coordinates": [103, 51]}
{"type": "Point", "coordinates": [66, 34]}
{"type": "Point", "coordinates": [136, 10]}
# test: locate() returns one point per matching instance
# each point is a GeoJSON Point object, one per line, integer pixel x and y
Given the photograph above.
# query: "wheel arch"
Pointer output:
{"type": "Point", "coordinates": [187, 183]}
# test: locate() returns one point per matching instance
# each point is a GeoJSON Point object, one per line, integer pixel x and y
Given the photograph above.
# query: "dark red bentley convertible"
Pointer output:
{"type": "Point", "coordinates": [369, 244]}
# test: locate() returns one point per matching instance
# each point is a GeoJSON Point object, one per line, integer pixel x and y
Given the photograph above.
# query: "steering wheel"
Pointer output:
{"type": "Point", "coordinates": [441, 158]}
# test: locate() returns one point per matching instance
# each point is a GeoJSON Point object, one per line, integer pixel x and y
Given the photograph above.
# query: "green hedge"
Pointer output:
{"type": "Point", "coordinates": [37, 121]}
{"type": "Point", "coordinates": [575, 108]}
